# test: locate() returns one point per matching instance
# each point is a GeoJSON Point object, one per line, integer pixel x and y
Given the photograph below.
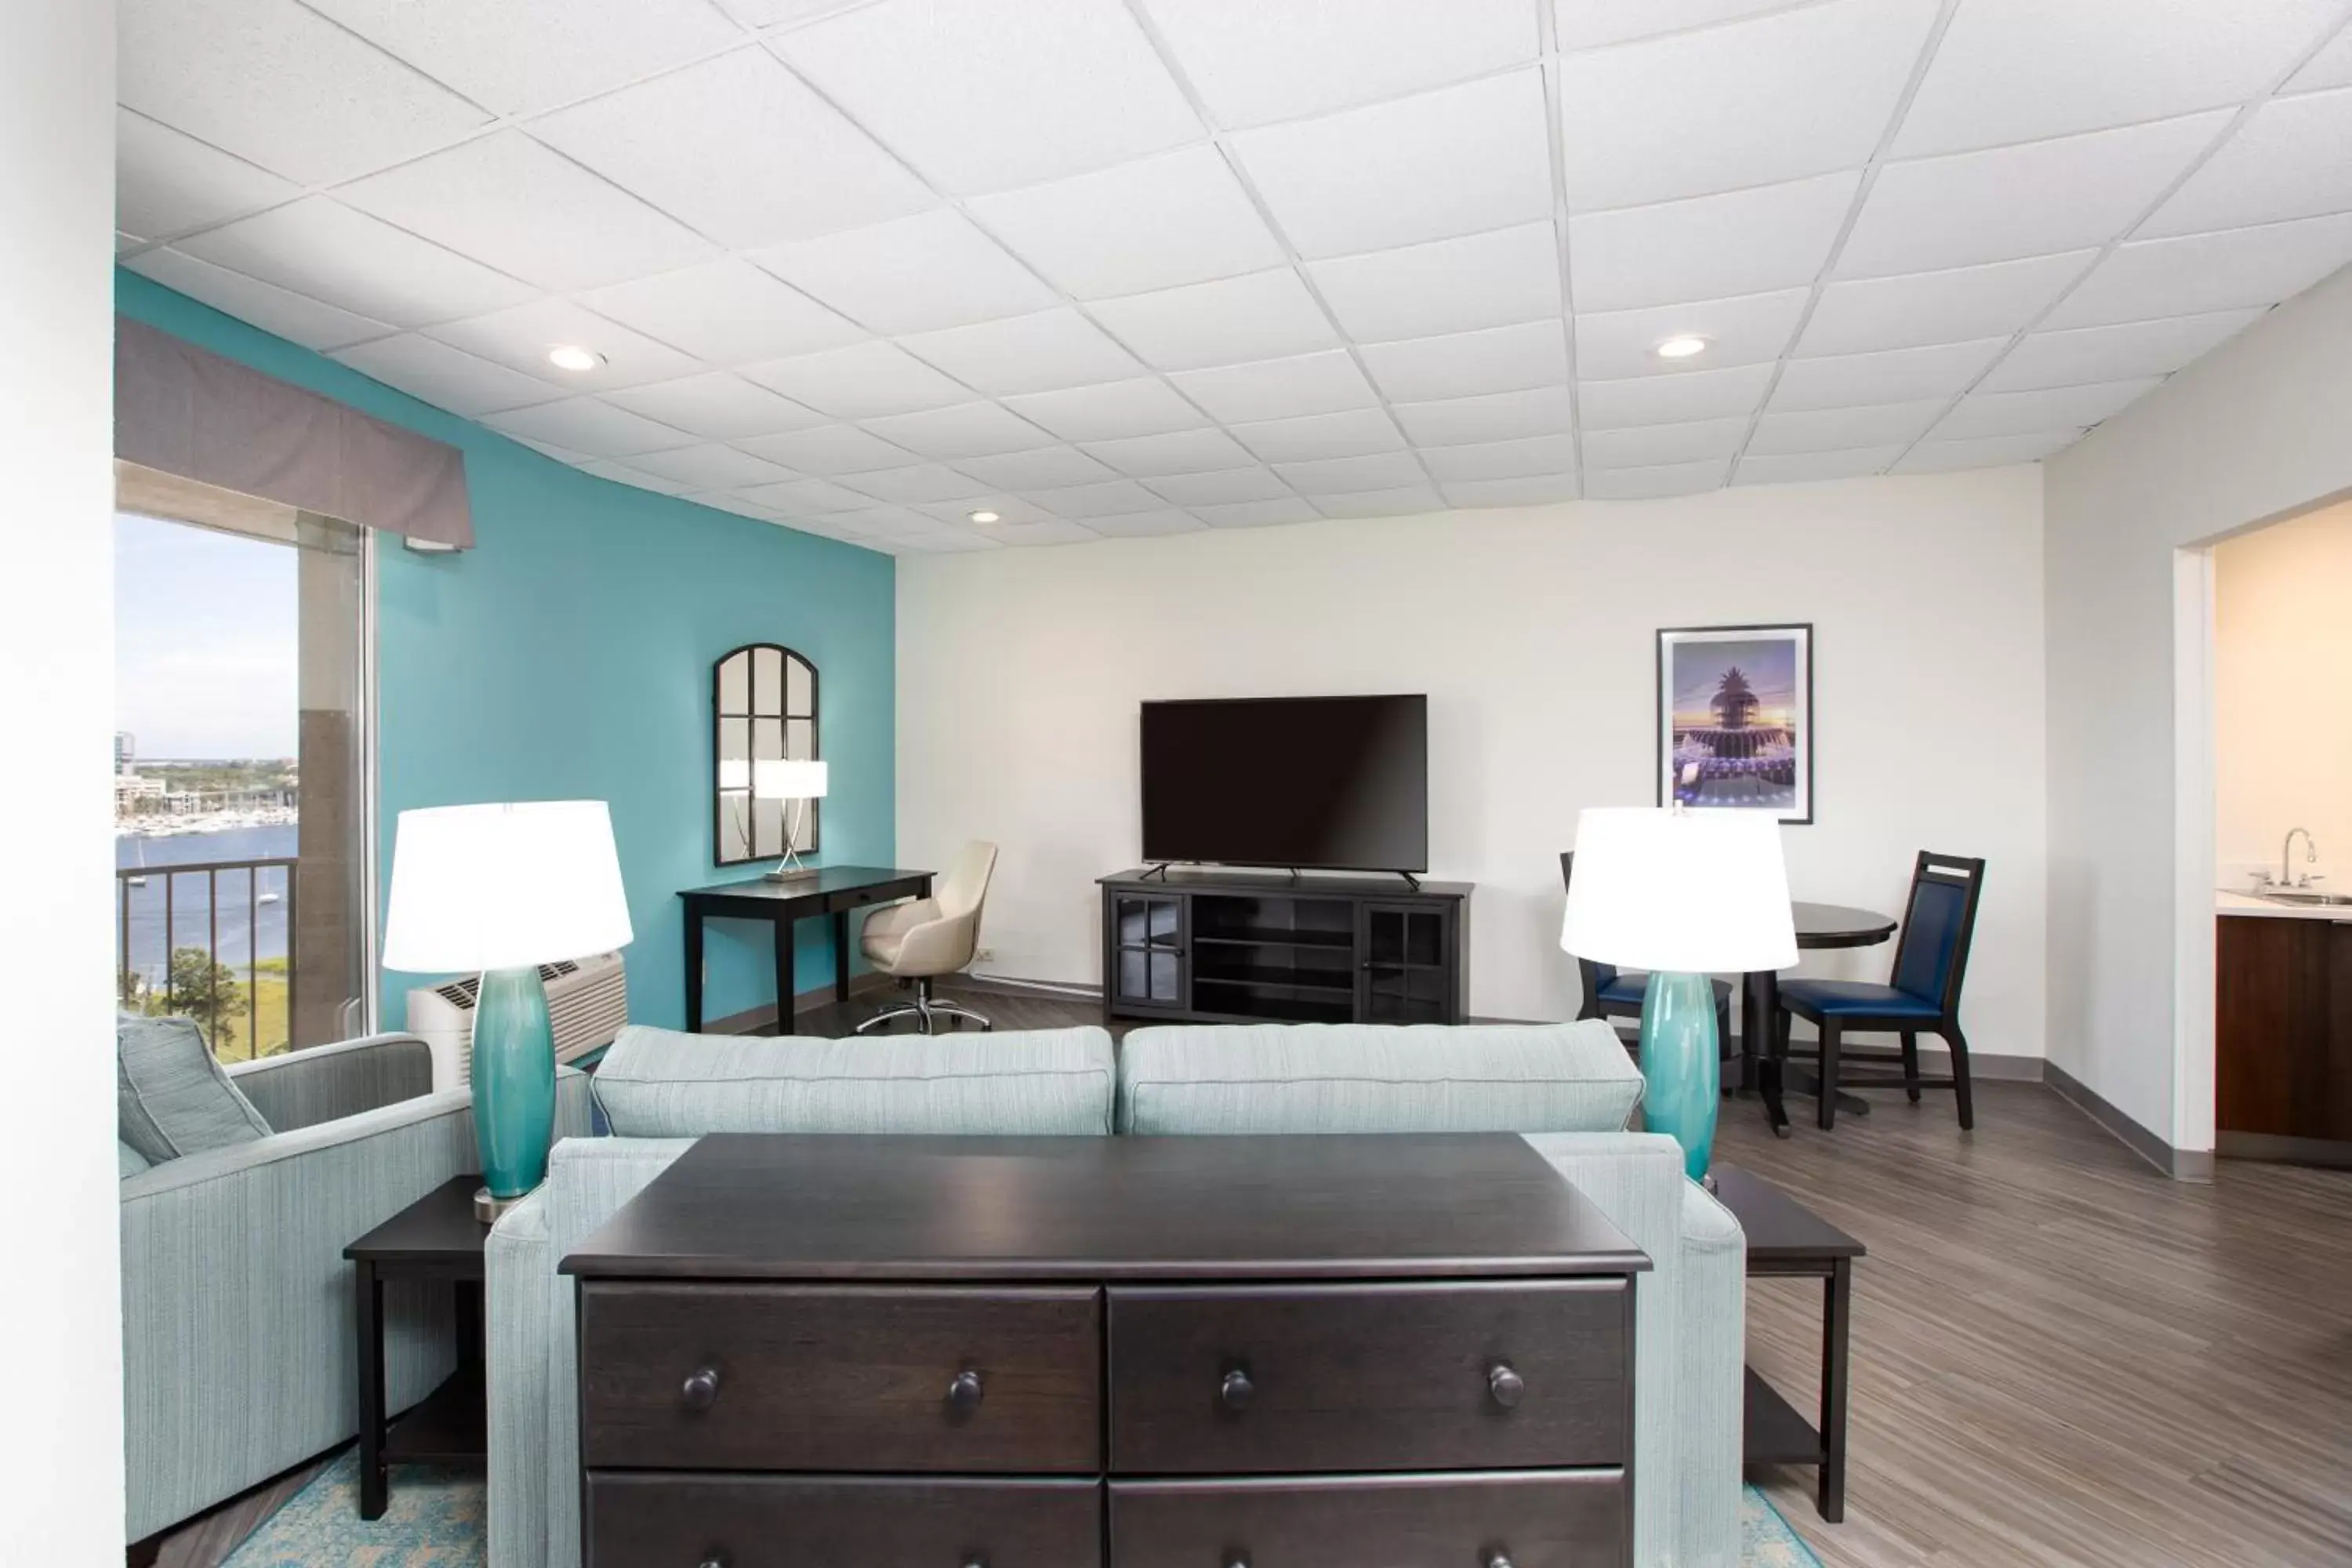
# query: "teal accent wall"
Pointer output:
{"type": "Point", "coordinates": [568, 656]}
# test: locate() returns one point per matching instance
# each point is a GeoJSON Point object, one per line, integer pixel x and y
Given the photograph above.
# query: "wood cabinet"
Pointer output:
{"type": "Point", "coordinates": [2282, 1038]}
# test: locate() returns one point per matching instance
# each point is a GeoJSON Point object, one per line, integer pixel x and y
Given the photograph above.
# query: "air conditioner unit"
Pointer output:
{"type": "Point", "coordinates": [587, 1002]}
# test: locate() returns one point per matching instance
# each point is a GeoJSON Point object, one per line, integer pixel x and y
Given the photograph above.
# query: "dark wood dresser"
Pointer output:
{"type": "Point", "coordinates": [1099, 1352]}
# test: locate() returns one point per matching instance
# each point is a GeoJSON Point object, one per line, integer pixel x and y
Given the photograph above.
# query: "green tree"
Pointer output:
{"type": "Point", "coordinates": [201, 989]}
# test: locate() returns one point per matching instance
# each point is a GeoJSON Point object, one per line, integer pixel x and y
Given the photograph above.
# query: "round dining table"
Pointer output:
{"type": "Point", "coordinates": [1767, 1072]}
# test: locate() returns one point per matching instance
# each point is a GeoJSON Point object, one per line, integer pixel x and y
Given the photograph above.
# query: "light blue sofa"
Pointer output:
{"type": "Point", "coordinates": [1569, 1088]}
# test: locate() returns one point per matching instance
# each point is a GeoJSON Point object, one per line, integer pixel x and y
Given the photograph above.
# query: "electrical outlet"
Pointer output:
{"type": "Point", "coordinates": [983, 955]}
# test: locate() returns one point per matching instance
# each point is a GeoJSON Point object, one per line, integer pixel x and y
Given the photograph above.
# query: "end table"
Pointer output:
{"type": "Point", "coordinates": [436, 1238]}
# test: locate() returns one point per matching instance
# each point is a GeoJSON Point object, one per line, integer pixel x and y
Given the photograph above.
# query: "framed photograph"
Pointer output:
{"type": "Point", "coordinates": [1736, 719]}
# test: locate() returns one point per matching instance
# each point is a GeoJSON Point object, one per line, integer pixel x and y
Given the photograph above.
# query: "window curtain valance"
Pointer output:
{"type": "Point", "coordinates": [182, 410]}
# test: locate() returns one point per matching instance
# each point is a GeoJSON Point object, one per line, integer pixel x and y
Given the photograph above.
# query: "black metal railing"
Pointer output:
{"type": "Point", "coordinates": [176, 988]}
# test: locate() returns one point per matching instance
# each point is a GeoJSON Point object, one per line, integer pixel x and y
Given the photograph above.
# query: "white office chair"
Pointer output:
{"type": "Point", "coordinates": [931, 937]}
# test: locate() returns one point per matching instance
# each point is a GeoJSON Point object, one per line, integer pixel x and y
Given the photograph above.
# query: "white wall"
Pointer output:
{"type": "Point", "coordinates": [1020, 672]}
{"type": "Point", "coordinates": [2259, 430]}
{"type": "Point", "coordinates": [60, 1317]}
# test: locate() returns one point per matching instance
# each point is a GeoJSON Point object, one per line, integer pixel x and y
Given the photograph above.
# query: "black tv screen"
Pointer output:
{"type": "Point", "coordinates": [1332, 784]}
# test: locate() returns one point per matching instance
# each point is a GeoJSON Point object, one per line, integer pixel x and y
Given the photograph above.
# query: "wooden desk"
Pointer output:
{"type": "Point", "coordinates": [833, 891]}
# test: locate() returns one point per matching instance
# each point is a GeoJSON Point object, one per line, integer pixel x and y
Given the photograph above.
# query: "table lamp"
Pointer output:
{"type": "Point", "coordinates": [1680, 894]}
{"type": "Point", "coordinates": [502, 890]}
{"type": "Point", "coordinates": [798, 782]}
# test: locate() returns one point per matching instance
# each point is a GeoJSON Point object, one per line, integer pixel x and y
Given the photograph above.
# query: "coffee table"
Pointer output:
{"type": "Point", "coordinates": [1788, 1240]}
{"type": "Point", "coordinates": [436, 1238]}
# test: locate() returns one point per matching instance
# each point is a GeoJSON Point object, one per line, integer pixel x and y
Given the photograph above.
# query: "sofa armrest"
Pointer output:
{"type": "Point", "coordinates": [326, 1083]}
{"type": "Point", "coordinates": [1711, 1382]}
{"type": "Point", "coordinates": [519, 1260]}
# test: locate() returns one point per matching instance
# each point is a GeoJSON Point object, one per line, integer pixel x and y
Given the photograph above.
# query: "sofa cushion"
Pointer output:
{"type": "Point", "coordinates": [171, 1097]}
{"type": "Point", "coordinates": [659, 1083]}
{"type": "Point", "coordinates": [129, 1162]}
{"type": "Point", "coordinates": [1363, 1078]}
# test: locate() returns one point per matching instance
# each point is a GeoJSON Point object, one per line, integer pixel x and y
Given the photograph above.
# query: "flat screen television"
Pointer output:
{"type": "Point", "coordinates": [1328, 783]}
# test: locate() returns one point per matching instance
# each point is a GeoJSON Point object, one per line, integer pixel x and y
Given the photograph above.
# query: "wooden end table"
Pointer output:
{"type": "Point", "coordinates": [1788, 1240]}
{"type": "Point", "coordinates": [436, 1238]}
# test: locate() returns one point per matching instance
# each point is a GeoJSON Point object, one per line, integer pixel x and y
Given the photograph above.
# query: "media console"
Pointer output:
{"type": "Point", "coordinates": [1265, 948]}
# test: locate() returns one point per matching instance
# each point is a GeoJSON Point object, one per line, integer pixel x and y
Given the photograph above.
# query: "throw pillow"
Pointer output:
{"type": "Point", "coordinates": [171, 1097]}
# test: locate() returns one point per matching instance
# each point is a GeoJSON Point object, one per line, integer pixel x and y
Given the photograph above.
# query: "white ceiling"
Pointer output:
{"type": "Point", "coordinates": [1130, 267]}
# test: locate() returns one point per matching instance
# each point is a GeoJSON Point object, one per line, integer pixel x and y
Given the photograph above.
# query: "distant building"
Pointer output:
{"type": "Point", "coordinates": [126, 749]}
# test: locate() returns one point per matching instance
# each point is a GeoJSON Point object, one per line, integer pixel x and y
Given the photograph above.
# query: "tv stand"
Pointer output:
{"type": "Point", "coordinates": [1259, 947]}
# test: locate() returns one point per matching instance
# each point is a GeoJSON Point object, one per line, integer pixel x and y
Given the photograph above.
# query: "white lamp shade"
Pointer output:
{"type": "Point", "coordinates": [503, 887]}
{"type": "Point", "coordinates": [1690, 893]}
{"type": "Point", "coordinates": [788, 779]}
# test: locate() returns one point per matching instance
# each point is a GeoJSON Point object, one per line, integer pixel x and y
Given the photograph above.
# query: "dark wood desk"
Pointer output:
{"type": "Point", "coordinates": [436, 1238]}
{"type": "Point", "coordinates": [833, 891]}
{"type": "Point", "coordinates": [1819, 927]}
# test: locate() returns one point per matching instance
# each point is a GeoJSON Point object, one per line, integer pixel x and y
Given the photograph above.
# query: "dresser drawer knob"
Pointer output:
{"type": "Point", "coordinates": [964, 1391]}
{"type": "Point", "coordinates": [1495, 1558]}
{"type": "Point", "coordinates": [1237, 1391]}
{"type": "Point", "coordinates": [714, 1561]}
{"type": "Point", "coordinates": [700, 1390]}
{"type": "Point", "coordinates": [1506, 1385]}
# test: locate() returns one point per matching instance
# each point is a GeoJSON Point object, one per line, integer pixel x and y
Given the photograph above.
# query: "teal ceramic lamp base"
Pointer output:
{"type": "Point", "coordinates": [514, 1086]}
{"type": "Point", "coordinates": [1682, 1061]}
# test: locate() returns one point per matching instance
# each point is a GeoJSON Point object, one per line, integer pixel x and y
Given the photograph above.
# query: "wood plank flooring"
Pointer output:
{"type": "Point", "coordinates": [2059, 1356]}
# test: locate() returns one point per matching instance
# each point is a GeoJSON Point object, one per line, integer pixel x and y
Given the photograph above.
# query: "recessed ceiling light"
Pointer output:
{"type": "Point", "coordinates": [571, 356]}
{"type": "Point", "coordinates": [1682, 346]}
{"type": "Point", "coordinates": [988, 517]}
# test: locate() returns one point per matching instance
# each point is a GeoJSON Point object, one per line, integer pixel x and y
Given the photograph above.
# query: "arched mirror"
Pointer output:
{"type": "Point", "coordinates": [763, 707]}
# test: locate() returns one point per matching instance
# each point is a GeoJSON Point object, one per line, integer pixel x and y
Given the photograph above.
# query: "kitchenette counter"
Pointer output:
{"type": "Point", "coordinates": [2229, 904]}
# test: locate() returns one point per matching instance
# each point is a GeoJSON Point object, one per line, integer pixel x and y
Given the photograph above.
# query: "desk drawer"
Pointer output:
{"type": "Point", "coordinates": [858, 897]}
{"type": "Point", "coordinates": [716, 1377]}
{"type": "Point", "coordinates": [1527, 1519]}
{"type": "Point", "coordinates": [800, 1521]}
{"type": "Point", "coordinates": [1274, 1380]}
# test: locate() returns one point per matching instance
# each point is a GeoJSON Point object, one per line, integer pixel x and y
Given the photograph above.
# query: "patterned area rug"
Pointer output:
{"type": "Point", "coordinates": [437, 1520]}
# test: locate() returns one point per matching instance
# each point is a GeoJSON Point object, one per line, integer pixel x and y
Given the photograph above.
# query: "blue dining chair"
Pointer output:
{"type": "Point", "coordinates": [1930, 960]}
{"type": "Point", "coordinates": [1613, 993]}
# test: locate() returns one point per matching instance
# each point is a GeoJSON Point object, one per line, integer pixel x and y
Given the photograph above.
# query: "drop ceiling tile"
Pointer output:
{"type": "Point", "coordinates": [564, 455]}
{"type": "Point", "coordinates": [635, 478]}
{"type": "Point", "coordinates": [1146, 524]}
{"type": "Point", "coordinates": [2331, 66]}
{"type": "Point", "coordinates": [830, 450]}
{"type": "Point", "coordinates": [1178, 452]}
{"type": "Point", "coordinates": [1898, 375]}
{"type": "Point", "coordinates": [1586, 24]}
{"type": "Point", "coordinates": [322, 249]}
{"type": "Point", "coordinates": [1042, 352]}
{"type": "Point", "coordinates": [2293, 159]}
{"type": "Point", "coordinates": [1651, 481]}
{"type": "Point", "coordinates": [951, 544]}
{"type": "Point", "coordinates": [1469, 365]}
{"type": "Point", "coordinates": [1265, 315]}
{"type": "Point", "coordinates": [1457, 161]}
{"type": "Point", "coordinates": [1684, 115]}
{"type": "Point", "coordinates": [913, 275]}
{"type": "Point", "coordinates": [726, 312]}
{"type": "Point", "coordinates": [989, 97]}
{"type": "Point", "coordinates": [1257, 513]}
{"type": "Point", "coordinates": [1853, 462]}
{"type": "Point", "coordinates": [1672, 399]}
{"type": "Point", "coordinates": [717, 407]}
{"type": "Point", "coordinates": [2025, 413]}
{"type": "Point", "coordinates": [2012, 202]}
{"type": "Point", "coordinates": [509, 202]}
{"type": "Point", "coordinates": [924, 481]}
{"type": "Point", "coordinates": [1047, 467]}
{"type": "Point", "coordinates": [2016, 70]}
{"type": "Point", "coordinates": [724, 501]}
{"type": "Point", "coordinates": [712, 466]}
{"type": "Point", "coordinates": [1338, 476]}
{"type": "Point", "coordinates": [1836, 429]}
{"type": "Point", "coordinates": [520, 57]}
{"type": "Point", "coordinates": [278, 85]}
{"type": "Point", "coordinates": [1531, 458]}
{"type": "Point", "coordinates": [1053, 530]}
{"type": "Point", "coordinates": [295, 317]}
{"type": "Point", "coordinates": [1408, 500]}
{"type": "Point", "coordinates": [165, 182]}
{"type": "Point", "coordinates": [1535, 490]}
{"type": "Point", "coordinates": [1219, 488]}
{"type": "Point", "coordinates": [1279, 388]}
{"type": "Point", "coordinates": [444, 376]}
{"type": "Point", "coordinates": [2149, 278]}
{"type": "Point", "coordinates": [1988, 452]}
{"type": "Point", "coordinates": [1253, 63]}
{"type": "Point", "coordinates": [1351, 433]}
{"type": "Point", "coordinates": [1752, 329]}
{"type": "Point", "coordinates": [965, 431]}
{"type": "Point", "coordinates": [520, 336]}
{"type": "Point", "coordinates": [590, 425]}
{"type": "Point", "coordinates": [1178, 217]}
{"type": "Point", "coordinates": [1497, 416]}
{"type": "Point", "coordinates": [1966, 303]}
{"type": "Point", "coordinates": [2125, 352]}
{"type": "Point", "coordinates": [1492, 280]}
{"type": "Point", "coordinates": [808, 497]}
{"type": "Point", "coordinates": [1708, 248]}
{"type": "Point", "coordinates": [1141, 407]}
{"type": "Point", "coordinates": [1652, 446]}
{"type": "Point", "coordinates": [863, 381]}
{"type": "Point", "coordinates": [679, 142]}
{"type": "Point", "coordinates": [1106, 500]}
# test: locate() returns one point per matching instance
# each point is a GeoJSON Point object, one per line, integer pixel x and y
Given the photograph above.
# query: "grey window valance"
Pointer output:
{"type": "Point", "coordinates": [182, 410]}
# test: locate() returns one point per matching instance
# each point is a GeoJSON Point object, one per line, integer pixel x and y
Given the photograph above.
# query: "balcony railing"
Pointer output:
{"type": "Point", "coordinates": [171, 921]}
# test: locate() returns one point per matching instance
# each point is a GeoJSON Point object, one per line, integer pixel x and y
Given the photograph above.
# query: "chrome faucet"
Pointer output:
{"type": "Point", "coordinates": [2287, 855]}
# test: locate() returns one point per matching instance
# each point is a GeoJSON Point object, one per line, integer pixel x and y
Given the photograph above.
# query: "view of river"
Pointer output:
{"type": "Point", "coordinates": [250, 915]}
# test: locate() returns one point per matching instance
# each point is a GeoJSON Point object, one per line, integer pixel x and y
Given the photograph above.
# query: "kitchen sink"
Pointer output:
{"type": "Point", "coordinates": [2301, 896]}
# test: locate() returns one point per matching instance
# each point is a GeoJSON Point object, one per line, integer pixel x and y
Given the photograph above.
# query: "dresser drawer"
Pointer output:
{"type": "Point", "coordinates": [1528, 1519]}
{"type": "Point", "coordinates": [724, 1376]}
{"type": "Point", "coordinates": [1225, 1380]}
{"type": "Point", "coordinates": [799, 1521]}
